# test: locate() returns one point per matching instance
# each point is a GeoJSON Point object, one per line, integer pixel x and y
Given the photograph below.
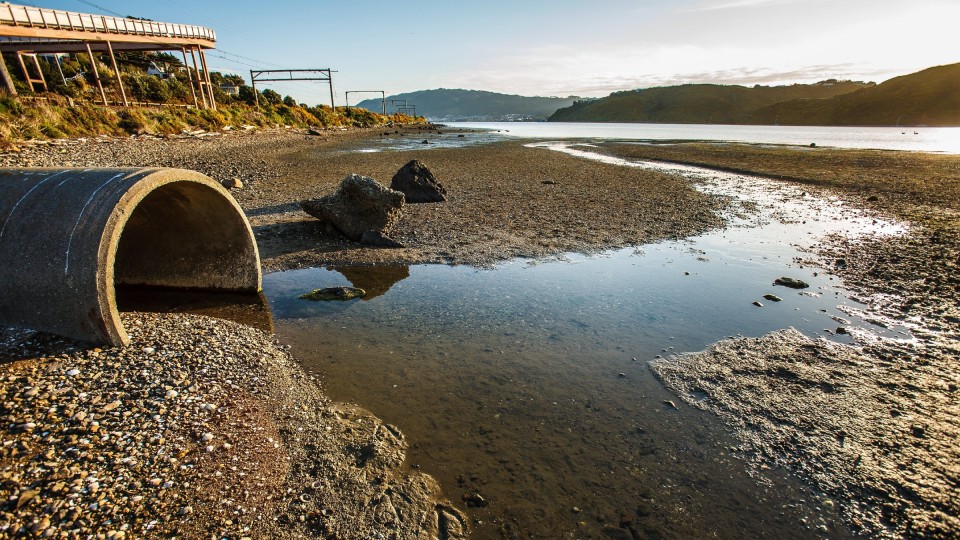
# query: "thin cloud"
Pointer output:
{"type": "Point", "coordinates": [739, 4]}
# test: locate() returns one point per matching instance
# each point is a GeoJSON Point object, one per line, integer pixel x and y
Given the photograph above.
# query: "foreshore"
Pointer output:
{"type": "Point", "coordinates": [316, 472]}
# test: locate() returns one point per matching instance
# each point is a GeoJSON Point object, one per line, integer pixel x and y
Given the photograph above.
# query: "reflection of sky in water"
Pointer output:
{"type": "Point", "coordinates": [917, 139]}
{"type": "Point", "coordinates": [495, 373]}
{"type": "Point", "coordinates": [405, 140]}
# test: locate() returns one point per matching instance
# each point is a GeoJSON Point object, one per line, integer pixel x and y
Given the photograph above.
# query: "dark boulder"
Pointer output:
{"type": "Point", "coordinates": [360, 205]}
{"type": "Point", "coordinates": [418, 184]}
{"type": "Point", "coordinates": [791, 282]}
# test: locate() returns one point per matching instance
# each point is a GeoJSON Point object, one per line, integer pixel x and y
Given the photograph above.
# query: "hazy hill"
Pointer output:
{"type": "Point", "coordinates": [477, 105]}
{"type": "Point", "coordinates": [697, 103]}
{"type": "Point", "coordinates": [927, 98]}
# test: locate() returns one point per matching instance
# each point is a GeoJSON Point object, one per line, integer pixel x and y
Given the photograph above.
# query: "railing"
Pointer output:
{"type": "Point", "coordinates": [16, 15]}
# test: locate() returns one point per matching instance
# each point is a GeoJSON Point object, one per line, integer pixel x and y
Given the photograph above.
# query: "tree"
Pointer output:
{"type": "Point", "coordinates": [272, 97]}
{"type": "Point", "coordinates": [289, 101]}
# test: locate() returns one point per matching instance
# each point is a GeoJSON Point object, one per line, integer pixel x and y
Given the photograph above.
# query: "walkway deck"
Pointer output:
{"type": "Point", "coordinates": [51, 30]}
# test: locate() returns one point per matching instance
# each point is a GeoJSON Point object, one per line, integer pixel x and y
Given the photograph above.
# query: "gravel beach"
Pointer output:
{"type": "Point", "coordinates": [203, 426]}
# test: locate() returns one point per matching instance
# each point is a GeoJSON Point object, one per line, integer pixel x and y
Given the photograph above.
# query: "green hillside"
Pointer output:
{"type": "Point", "coordinates": [697, 103]}
{"type": "Point", "coordinates": [452, 105]}
{"type": "Point", "coordinates": [927, 98]}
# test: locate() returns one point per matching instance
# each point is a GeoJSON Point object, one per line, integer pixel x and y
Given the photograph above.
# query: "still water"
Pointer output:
{"type": "Point", "coordinates": [525, 391]}
{"type": "Point", "coordinates": [919, 139]}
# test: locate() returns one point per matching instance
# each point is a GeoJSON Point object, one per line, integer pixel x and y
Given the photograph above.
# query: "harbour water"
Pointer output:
{"type": "Point", "coordinates": [525, 391]}
{"type": "Point", "coordinates": [916, 139]}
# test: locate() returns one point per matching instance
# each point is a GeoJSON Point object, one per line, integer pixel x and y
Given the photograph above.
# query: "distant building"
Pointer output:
{"type": "Point", "coordinates": [157, 71]}
{"type": "Point", "coordinates": [230, 89]}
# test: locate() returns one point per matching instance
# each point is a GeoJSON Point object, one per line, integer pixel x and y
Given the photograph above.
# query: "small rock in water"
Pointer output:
{"type": "Point", "coordinates": [622, 375]}
{"type": "Point", "coordinates": [791, 282]}
{"type": "Point", "coordinates": [670, 403]}
{"type": "Point", "coordinates": [841, 330]}
{"type": "Point", "coordinates": [772, 297]}
{"type": "Point", "coordinates": [334, 293]}
{"type": "Point", "coordinates": [758, 304]}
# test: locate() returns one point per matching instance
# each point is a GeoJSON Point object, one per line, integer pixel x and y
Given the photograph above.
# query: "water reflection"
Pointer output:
{"type": "Point", "coordinates": [527, 385]}
{"type": "Point", "coordinates": [375, 280]}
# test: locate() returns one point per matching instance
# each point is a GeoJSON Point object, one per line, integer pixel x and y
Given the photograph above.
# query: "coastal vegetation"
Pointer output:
{"type": "Point", "coordinates": [159, 88]}
{"type": "Point", "coordinates": [927, 98]}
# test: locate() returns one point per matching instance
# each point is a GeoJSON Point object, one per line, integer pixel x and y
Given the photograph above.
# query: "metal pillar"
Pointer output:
{"type": "Point", "coordinates": [256, 95]}
{"type": "Point", "coordinates": [113, 61]}
{"type": "Point", "coordinates": [193, 92]}
{"type": "Point", "coordinates": [330, 80]}
{"type": "Point", "coordinates": [96, 75]}
{"type": "Point", "coordinates": [255, 75]}
{"type": "Point", "coordinates": [5, 78]}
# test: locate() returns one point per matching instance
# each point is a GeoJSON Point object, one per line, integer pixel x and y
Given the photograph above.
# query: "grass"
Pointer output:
{"type": "Point", "coordinates": [57, 117]}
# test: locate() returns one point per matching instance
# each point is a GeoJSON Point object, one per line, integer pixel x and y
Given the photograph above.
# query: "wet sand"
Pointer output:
{"type": "Point", "coordinates": [509, 201]}
{"type": "Point", "coordinates": [874, 425]}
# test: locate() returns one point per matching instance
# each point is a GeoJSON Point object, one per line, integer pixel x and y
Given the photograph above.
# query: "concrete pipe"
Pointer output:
{"type": "Point", "coordinates": [69, 236]}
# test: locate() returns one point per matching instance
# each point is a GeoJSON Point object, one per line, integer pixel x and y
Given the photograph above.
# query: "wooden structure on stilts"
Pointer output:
{"type": "Point", "coordinates": [27, 31]}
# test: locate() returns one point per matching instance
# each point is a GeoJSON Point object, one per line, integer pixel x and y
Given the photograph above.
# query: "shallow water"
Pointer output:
{"type": "Point", "coordinates": [528, 384]}
{"type": "Point", "coordinates": [915, 139]}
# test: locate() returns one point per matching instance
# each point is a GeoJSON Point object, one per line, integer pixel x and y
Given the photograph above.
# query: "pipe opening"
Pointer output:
{"type": "Point", "coordinates": [185, 249]}
{"type": "Point", "coordinates": [186, 235]}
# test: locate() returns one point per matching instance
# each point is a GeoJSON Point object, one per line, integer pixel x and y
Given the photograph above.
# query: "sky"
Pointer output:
{"type": "Point", "coordinates": [559, 47]}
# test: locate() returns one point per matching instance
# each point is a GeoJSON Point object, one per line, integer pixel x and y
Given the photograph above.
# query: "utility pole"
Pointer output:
{"type": "Point", "coordinates": [324, 74]}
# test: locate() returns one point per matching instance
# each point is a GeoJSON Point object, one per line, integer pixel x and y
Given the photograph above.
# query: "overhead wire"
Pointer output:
{"type": "Point", "coordinates": [237, 59]}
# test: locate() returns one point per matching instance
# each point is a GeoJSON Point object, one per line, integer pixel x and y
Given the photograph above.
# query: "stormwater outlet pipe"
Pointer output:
{"type": "Point", "coordinates": [69, 236]}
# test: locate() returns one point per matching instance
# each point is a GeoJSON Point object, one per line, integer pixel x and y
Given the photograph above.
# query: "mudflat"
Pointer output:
{"type": "Point", "coordinates": [881, 440]}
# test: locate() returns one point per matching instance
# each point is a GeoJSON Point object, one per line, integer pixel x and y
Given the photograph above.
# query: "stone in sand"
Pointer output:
{"type": "Point", "coordinates": [360, 205]}
{"type": "Point", "coordinates": [418, 184]}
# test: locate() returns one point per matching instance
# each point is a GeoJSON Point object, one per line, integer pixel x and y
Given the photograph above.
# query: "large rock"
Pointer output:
{"type": "Point", "coordinates": [360, 205]}
{"type": "Point", "coordinates": [418, 184]}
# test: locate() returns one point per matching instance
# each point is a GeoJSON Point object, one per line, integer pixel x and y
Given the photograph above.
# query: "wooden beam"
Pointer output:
{"type": "Point", "coordinates": [206, 73]}
{"type": "Point", "coordinates": [96, 76]}
{"type": "Point", "coordinates": [6, 79]}
{"type": "Point", "coordinates": [116, 70]}
{"type": "Point", "coordinates": [189, 76]}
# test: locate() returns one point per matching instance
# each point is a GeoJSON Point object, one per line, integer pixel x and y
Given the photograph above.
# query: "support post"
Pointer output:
{"type": "Point", "coordinates": [26, 73]}
{"type": "Point", "coordinates": [6, 78]}
{"type": "Point", "coordinates": [193, 92]}
{"type": "Point", "coordinates": [330, 80]}
{"type": "Point", "coordinates": [203, 94]}
{"type": "Point", "coordinates": [113, 61]}
{"type": "Point", "coordinates": [56, 58]}
{"type": "Point", "coordinates": [256, 95]}
{"type": "Point", "coordinates": [206, 74]}
{"type": "Point", "coordinates": [96, 76]}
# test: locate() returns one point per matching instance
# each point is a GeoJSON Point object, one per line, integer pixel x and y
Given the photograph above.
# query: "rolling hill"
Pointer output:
{"type": "Point", "coordinates": [697, 103]}
{"type": "Point", "coordinates": [465, 105]}
{"type": "Point", "coordinates": [927, 98]}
